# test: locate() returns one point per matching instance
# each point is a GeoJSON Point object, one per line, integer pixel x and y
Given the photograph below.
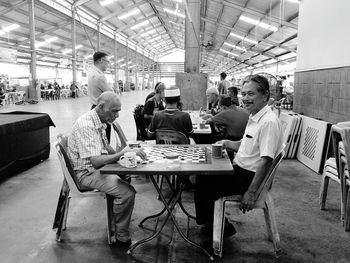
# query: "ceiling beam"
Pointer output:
{"type": "Point", "coordinates": [13, 7]}
{"type": "Point", "coordinates": [117, 13]}
{"type": "Point", "coordinates": [79, 2]}
{"type": "Point", "coordinates": [259, 14]}
{"type": "Point", "coordinates": [121, 29]}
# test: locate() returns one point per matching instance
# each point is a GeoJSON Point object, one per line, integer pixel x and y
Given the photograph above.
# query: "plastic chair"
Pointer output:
{"type": "Point", "coordinates": [345, 179]}
{"type": "Point", "coordinates": [264, 201]}
{"type": "Point", "coordinates": [122, 142]}
{"type": "Point", "coordinates": [164, 136]}
{"type": "Point", "coordinates": [72, 188]}
{"type": "Point", "coordinates": [330, 173]}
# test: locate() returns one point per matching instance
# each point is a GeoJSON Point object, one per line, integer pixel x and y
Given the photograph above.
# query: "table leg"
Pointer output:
{"type": "Point", "coordinates": [177, 192]}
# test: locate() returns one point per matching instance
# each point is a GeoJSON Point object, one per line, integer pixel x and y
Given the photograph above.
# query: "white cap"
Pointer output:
{"type": "Point", "coordinates": [212, 90]}
{"type": "Point", "coordinates": [172, 91]}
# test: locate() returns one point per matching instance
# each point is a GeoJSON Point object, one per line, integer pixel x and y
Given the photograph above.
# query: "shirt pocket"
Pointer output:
{"type": "Point", "coordinates": [248, 143]}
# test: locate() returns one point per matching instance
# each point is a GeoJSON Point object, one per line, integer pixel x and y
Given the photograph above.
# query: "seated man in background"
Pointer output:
{"type": "Point", "coordinates": [261, 143]}
{"type": "Point", "coordinates": [153, 104]}
{"type": "Point", "coordinates": [233, 118]}
{"type": "Point", "coordinates": [172, 119]}
{"type": "Point", "coordinates": [213, 101]}
{"type": "Point", "coordinates": [232, 92]}
{"type": "Point", "coordinates": [150, 95]}
{"type": "Point", "coordinates": [89, 150]}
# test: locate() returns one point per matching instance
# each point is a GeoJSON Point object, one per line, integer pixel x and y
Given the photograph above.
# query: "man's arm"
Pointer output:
{"type": "Point", "coordinates": [101, 160]}
{"type": "Point", "coordinates": [249, 196]}
{"type": "Point", "coordinates": [231, 145]}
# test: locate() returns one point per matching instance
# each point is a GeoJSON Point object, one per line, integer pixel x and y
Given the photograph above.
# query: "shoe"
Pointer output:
{"type": "Point", "coordinates": [121, 244]}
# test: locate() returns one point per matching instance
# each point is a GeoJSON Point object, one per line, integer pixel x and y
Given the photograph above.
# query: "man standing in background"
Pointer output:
{"type": "Point", "coordinates": [97, 82]}
{"type": "Point", "coordinates": [223, 84]}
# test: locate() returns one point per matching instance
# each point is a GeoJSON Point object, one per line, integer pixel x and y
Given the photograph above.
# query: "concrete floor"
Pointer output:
{"type": "Point", "coordinates": [28, 202]}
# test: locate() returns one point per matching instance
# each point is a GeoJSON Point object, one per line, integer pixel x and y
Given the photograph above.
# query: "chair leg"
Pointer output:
{"type": "Point", "coordinates": [61, 211]}
{"type": "Point", "coordinates": [347, 210]}
{"type": "Point", "coordinates": [269, 212]}
{"type": "Point", "coordinates": [218, 226]}
{"type": "Point", "coordinates": [110, 219]}
{"type": "Point", "coordinates": [323, 191]}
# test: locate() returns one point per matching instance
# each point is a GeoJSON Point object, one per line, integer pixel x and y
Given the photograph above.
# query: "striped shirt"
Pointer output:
{"type": "Point", "coordinates": [88, 138]}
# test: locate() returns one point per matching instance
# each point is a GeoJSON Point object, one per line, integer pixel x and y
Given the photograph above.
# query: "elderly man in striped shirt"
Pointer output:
{"type": "Point", "coordinates": [89, 150]}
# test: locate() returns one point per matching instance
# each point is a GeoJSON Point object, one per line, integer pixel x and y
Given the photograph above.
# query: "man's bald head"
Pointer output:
{"type": "Point", "coordinates": [108, 106]}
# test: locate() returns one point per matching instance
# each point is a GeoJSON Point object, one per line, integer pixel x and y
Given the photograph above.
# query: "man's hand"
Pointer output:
{"type": "Point", "coordinates": [138, 151]}
{"type": "Point", "coordinates": [247, 202]}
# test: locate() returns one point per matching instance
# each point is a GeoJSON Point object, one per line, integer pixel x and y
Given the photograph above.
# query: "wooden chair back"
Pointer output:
{"type": "Point", "coordinates": [164, 136]}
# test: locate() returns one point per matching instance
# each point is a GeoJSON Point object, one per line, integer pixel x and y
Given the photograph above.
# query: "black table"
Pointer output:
{"type": "Point", "coordinates": [24, 141]}
{"type": "Point", "coordinates": [167, 168]}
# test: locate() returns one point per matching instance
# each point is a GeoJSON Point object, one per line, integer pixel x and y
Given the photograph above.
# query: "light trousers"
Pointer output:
{"type": "Point", "coordinates": [124, 198]}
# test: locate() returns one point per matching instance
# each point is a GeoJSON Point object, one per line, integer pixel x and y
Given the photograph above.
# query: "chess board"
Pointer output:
{"type": "Point", "coordinates": [186, 154]}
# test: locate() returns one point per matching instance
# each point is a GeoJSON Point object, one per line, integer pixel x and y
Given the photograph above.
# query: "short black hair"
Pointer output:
{"type": "Point", "coordinates": [98, 55]}
{"type": "Point", "coordinates": [223, 75]}
{"type": "Point", "coordinates": [234, 90]}
{"type": "Point", "coordinates": [263, 84]}
{"type": "Point", "coordinates": [225, 101]}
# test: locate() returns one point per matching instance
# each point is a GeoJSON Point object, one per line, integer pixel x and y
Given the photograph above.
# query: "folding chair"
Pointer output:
{"type": "Point", "coordinates": [72, 188]}
{"type": "Point", "coordinates": [264, 201]}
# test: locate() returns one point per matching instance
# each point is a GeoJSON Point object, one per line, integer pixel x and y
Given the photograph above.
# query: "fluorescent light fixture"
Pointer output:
{"type": "Point", "coordinates": [131, 66]}
{"type": "Point", "coordinates": [110, 57]}
{"type": "Point", "coordinates": [120, 60]}
{"type": "Point", "coordinates": [47, 41]}
{"type": "Point", "coordinates": [294, 1]}
{"type": "Point", "coordinates": [70, 50]}
{"type": "Point", "coordinates": [122, 65]}
{"type": "Point", "coordinates": [129, 62]}
{"type": "Point", "coordinates": [88, 56]}
{"type": "Point", "coordinates": [236, 47]}
{"type": "Point", "coordinates": [107, 2]}
{"type": "Point", "coordinates": [140, 25]}
{"type": "Point", "coordinates": [8, 29]}
{"type": "Point", "coordinates": [258, 23]}
{"type": "Point", "coordinates": [148, 33]}
{"type": "Point", "coordinates": [131, 13]}
{"type": "Point", "coordinates": [177, 13]}
{"type": "Point", "coordinates": [244, 38]}
{"type": "Point", "coordinates": [228, 52]}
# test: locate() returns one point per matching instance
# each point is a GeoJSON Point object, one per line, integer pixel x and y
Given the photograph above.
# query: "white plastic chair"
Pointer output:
{"type": "Point", "coordinates": [72, 188]}
{"type": "Point", "coordinates": [264, 201]}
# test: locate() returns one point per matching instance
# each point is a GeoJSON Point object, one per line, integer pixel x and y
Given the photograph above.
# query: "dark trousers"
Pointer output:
{"type": "Point", "coordinates": [108, 129]}
{"type": "Point", "coordinates": [209, 188]}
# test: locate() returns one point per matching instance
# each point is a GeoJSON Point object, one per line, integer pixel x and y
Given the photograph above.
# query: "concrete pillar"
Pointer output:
{"type": "Point", "coordinates": [116, 85]}
{"type": "Point", "coordinates": [153, 65]}
{"type": "Point", "coordinates": [136, 70]}
{"type": "Point", "coordinates": [74, 56]}
{"type": "Point", "coordinates": [192, 36]}
{"type": "Point", "coordinates": [34, 90]}
{"type": "Point", "coordinates": [127, 82]}
{"type": "Point", "coordinates": [98, 35]}
{"type": "Point", "coordinates": [143, 70]}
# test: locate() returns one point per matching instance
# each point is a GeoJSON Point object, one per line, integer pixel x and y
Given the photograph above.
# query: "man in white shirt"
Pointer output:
{"type": "Point", "coordinates": [261, 143]}
{"type": "Point", "coordinates": [97, 82]}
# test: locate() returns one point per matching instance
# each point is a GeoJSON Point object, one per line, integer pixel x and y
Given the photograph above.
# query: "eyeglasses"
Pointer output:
{"type": "Point", "coordinates": [105, 60]}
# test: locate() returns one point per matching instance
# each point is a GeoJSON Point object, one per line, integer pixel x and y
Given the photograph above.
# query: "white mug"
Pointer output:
{"type": "Point", "coordinates": [128, 160]}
